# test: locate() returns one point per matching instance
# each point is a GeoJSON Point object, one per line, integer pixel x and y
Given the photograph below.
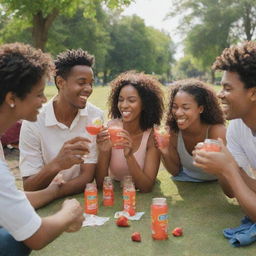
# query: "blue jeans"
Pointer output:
{"type": "Point", "coordinates": [10, 247]}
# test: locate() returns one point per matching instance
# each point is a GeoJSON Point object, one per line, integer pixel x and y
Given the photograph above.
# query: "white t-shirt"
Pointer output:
{"type": "Point", "coordinates": [17, 215]}
{"type": "Point", "coordinates": [242, 145]}
{"type": "Point", "coordinates": [42, 140]}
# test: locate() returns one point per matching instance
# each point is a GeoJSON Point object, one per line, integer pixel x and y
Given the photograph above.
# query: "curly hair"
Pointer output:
{"type": "Point", "coordinates": [150, 92]}
{"type": "Point", "coordinates": [66, 60]}
{"type": "Point", "coordinates": [21, 68]}
{"type": "Point", "coordinates": [240, 59]}
{"type": "Point", "coordinates": [203, 95]}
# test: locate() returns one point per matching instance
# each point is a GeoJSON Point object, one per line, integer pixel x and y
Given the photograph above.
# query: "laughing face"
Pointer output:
{"type": "Point", "coordinates": [129, 103]}
{"type": "Point", "coordinates": [185, 110]}
{"type": "Point", "coordinates": [235, 98]}
{"type": "Point", "coordinates": [77, 87]}
{"type": "Point", "coordinates": [28, 108]}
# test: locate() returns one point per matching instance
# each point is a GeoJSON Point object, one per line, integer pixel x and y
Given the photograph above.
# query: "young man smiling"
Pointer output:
{"type": "Point", "coordinates": [235, 164]}
{"type": "Point", "coordinates": [43, 153]}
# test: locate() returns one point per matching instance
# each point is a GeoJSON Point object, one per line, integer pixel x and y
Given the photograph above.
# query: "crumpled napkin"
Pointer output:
{"type": "Point", "coordinates": [137, 215]}
{"type": "Point", "coordinates": [245, 234]}
{"type": "Point", "coordinates": [94, 220]}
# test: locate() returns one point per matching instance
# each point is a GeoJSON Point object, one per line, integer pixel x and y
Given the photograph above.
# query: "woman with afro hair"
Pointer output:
{"type": "Point", "coordinates": [136, 103]}
{"type": "Point", "coordinates": [194, 115]}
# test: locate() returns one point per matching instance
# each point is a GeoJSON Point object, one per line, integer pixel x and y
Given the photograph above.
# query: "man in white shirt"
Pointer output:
{"type": "Point", "coordinates": [45, 144]}
{"type": "Point", "coordinates": [238, 97]}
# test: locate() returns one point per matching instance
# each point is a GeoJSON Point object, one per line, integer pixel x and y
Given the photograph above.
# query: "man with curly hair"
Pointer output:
{"type": "Point", "coordinates": [42, 152]}
{"type": "Point", "coordinates": [236, 164]}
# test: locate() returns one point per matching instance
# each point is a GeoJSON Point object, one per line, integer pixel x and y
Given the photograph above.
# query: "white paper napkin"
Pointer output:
{"type": "Point", "coordinates": [94, 220]}
{"type": "Point", "coordinates": [137, 216]}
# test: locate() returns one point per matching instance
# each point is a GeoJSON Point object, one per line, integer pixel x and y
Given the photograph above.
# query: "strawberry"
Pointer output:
{"type": "Point", "coordinates": [136, 237]}
{"type": "Point", "coordinates": [122, 221]}
{"type": "Point", "coordinates": [177, 232]}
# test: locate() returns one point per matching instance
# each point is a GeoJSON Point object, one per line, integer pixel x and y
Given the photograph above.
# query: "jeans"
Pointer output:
{"type": "Point", "coordinates": [10, 247]}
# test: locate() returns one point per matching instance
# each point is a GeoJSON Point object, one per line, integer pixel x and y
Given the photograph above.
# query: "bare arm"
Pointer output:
{"type": "Point", "coordinates": [69, 219]}
{"type": "Point", "coordinates": [144, 179]}
{"type": "Point", "coordinates": [223, 165]}
{"type": "Point", "coordinates": [78, 184]}
{"type": "Point", "coordinates": [170, 156]}
{"type": "Point", "coordinates": [104, 148]}
{"type": "Point", "coordinates": [70, 154]}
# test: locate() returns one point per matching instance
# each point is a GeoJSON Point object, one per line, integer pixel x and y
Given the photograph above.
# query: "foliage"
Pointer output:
{"type": "Point", "coordinates": [42, 13]}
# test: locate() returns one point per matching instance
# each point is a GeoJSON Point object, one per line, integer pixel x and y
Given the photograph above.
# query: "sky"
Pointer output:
{"type": "Point", "coordinates": [154, 14]}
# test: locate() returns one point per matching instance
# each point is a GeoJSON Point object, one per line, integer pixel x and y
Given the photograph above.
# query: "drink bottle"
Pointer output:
{"type": "Point", "coordinates": [108, 192]}
{"type": "Point", "coordinates": [91, 199]}
{"type": "Point", "coordinates": [159, 218]}
{"type": "Point", "coordinates": [129, 196]}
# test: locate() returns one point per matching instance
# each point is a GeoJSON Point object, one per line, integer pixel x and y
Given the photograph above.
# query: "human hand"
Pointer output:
{"type": "Point", "coordinates": [74, 212]}
{"type": "Point", "coordinates": [103, 140]}
{"type": "Point", "coordinates": [124, 143]}
{"type": "Point", "coordinates": [213, 162]}
{"type": "Point", "coordinates": [161, 138]}
{"type": "Point", "coordinates": [72, 153]}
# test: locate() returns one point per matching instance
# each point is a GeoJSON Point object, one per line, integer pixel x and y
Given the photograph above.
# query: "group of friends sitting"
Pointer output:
{"type": "Point", "coordinates": [58, 157]}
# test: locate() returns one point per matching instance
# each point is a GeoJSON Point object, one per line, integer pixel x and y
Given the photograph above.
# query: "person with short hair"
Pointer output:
{"type": "Point", "coordinates": [49, 145]}
{"type": "Point", "coordinates": [235, 164]}
{"type": "Point", "coordinates": [23, 73]}
{"type": "Point", "coordinates": [136, 104]}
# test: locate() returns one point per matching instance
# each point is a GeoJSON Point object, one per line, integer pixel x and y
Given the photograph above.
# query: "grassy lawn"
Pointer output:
{"type": "Point", "coordinates": [201, 209]}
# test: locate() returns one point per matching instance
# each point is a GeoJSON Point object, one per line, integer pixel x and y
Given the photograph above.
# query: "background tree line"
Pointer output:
{"type": "Point", "coordinates": [123, 43]}
{"type": "Point", "coordinates": [118, 43]}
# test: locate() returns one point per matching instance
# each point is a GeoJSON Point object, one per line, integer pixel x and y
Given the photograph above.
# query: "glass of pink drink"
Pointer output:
{"type": "Point", "coordinates": [162, 136]}
{"type": "Point", "coordinates": [114, 137]}
{"type": "Point", "coordinates": [94, 126]}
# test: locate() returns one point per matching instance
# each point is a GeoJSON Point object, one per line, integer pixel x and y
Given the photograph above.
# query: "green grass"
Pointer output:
{"type": "Point", "coordinates": [202, 210]}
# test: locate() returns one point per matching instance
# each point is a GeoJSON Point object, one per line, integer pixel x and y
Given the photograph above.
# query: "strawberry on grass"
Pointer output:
{"type": "Point", "coordinates": [177, 232]}
{"type": "Point", "coordinates": [122, 221]}
{"type": "Point", "coordinates": [136, 237]}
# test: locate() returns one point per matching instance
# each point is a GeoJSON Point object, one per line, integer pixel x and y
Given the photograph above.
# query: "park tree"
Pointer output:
{"type": "Point", "coordinates": [211, 25]}
{"type": "Point", "coordinates": [41, 14]}
{"type": "Point", "coordinates": [186, 67]}
{"type": "Point", "coordinates": [89, 33]}
{"type": "Point", "coordinates": [163, 52]}
{"type": "Point", "coordinates": [131, 47]}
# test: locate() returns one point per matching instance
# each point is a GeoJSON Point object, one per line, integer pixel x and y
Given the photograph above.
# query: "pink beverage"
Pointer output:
{"type": "Point", "coordinates": [91, 199]}
{"type": "Point", "coordinates": [93, 129]}
{"type": "Point", "coordinates": [114, 137]}
{"type": "Point", "coordinates": [129, 197]}
{"type": "Point", "coordinates": [211, 145]}
{"type": "Point", "coordinates": [108, 192]}
{"type": "Point", "coordinates": [162, 136]}
{"type": "Point", "coordinates": [159, 218]}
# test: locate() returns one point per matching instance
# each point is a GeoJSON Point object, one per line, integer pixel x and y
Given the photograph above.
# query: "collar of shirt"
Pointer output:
{"type": "Point", "coordinates": [50, 118]}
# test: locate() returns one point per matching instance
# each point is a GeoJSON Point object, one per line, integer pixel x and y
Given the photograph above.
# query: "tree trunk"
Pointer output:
{"type": "Point", "coordinates": [248, 22]}
{"type": "Point", "coordinates": [41, 26]}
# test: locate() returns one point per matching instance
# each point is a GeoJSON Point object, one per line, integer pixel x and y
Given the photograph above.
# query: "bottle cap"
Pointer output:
{"type": "Point", "coordinates": [159, 200]}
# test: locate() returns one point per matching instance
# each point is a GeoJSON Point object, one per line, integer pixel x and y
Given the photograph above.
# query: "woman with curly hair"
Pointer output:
{"type": "Point", "coordinates": [136, 101]}
{"type": "Point", "coordinates": [194, 115]}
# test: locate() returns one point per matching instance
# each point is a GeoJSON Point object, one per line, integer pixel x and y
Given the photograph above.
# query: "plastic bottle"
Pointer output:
{"type": "Point", "coordinates": [159, 218]}
{"type": "Point", "coordinates": [91, 199]}
{"type": "Point", "coordinates": [108, 192]}
{"type": "Point", "coordinates": [129, 196]}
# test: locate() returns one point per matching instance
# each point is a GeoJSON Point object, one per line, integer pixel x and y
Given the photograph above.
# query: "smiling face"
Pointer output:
{"type": "Point", "coordinates": [28, 108]}
{"type": "Point", "coordinates": [235, 98]}
{"type": "Point", "coordinates": [129, 103]}
{"type": "Point", "coordinates": [185, 110]}
{"type": "Point", "coordinates": [77, 88]}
